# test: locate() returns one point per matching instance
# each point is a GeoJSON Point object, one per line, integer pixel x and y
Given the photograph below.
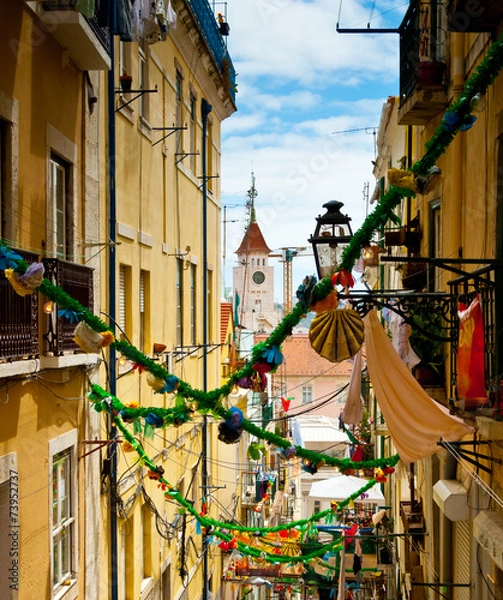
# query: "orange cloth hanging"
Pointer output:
{"type": "Point", "coordinates": [415, 421]}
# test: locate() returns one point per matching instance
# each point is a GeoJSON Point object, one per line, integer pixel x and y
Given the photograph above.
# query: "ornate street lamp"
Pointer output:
{"type": "Point", "coordinates": [332, 234]}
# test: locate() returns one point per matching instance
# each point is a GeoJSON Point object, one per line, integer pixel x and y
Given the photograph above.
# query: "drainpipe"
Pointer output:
{"type": "Point", "coordinates": [205, 111]}
{"type": "Point", "coordinates": [112, 293]}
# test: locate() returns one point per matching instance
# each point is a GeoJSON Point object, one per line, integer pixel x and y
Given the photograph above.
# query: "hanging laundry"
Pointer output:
{"type": "Point", "coordinates": [261, 486]}
{"type": "Point", "coordinates": [125, 20]}
{"type": "Point", "coordinates": [415, 421]}
{"type": "Point", "coordinates": [152, 20]}
{"type": "Point", "coordinates": [352, 412]}
{"type": "Point", "coordinates": [400, 334]}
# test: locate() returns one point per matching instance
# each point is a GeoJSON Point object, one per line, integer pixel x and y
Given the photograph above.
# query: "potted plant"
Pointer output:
{"type": "Point", "coordinates": [125, 81]}
{"type": "Point", "coordinates": [431, 72]}
{"type": "Point", "coordinates": [414, 275]}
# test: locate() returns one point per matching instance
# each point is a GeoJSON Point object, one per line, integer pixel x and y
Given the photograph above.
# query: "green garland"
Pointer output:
{"type": "Point", "coordinates": [483, 76]}
{"type": "Point", "coordinates": [103, 400]}
{"type": "Point", "coordinates": [221, 529]}
{"type": "Point", "coordinates": [481, 79]}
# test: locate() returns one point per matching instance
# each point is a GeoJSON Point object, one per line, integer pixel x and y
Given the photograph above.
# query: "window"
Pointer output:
{"type": "Point", "coordinates": [166, 583]}
{"type": "Point", "coordinates": [124, 299]}
{"type": "Point", "coordinates": [193, 122]}
{"type": "Point", "coordinates": [143, 80]}
{"type": "Point", "coordinates": [63, 473]}
{"type": "Point", "coordinates": [178, 109]}
{"type": "Point", "coordinates": [209, 156]}
{"type": "Point", "coordinates": [211, 313]}
{"type": "Point", "coordinates": [193, 305]}
{"type": "Point", "coordinates": [144, 310]}
{"type": "Point", "coordinates": [434, 243]}
{"type": "Point", "coordinates": [317, 507]}
{"type": "Point", "coordinates": [9, 172]}
{"type": "Point", "coordinates": [125, 58]}
{"type": "Point", "coordinates": [146, 517]}
{"type": "Point", "coordinates": [307, 394]}
{"type": "Point", "coordinates": [4, 209]}
{"type": "Point", "coordinates": [179, 302]}
{"type": "Point", "coordinates": [61, 202]}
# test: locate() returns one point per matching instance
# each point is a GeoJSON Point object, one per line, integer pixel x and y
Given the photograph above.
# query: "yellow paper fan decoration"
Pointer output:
{"type": "Point", "coordinates": [402, 178]}
{"type": "Point", "coordinates": [290, 548]}
{"type": "Point", "coordinates": [13, 279]}
{"type": "Point", "coordinates": [337, 334]}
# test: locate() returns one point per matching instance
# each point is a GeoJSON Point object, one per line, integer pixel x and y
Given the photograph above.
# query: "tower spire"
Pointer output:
{"type": "Point", "coordinates": [250, 204]}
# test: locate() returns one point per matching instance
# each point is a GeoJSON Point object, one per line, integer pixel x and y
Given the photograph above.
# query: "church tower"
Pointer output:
{"type": "Point", "coordinates": [253, 278]}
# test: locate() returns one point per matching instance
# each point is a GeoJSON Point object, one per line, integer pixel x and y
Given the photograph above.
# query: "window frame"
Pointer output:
{"type": "Point", "coordinates": [306, 394]}
{"type": "Point", "coordinates": [193, 304]}
{"type": "Point", "coordinates": [66, 585]}
{"type": "Point", "coordinates": [179, 302]}
{"type": "Point", "coordinates": [143, 81]}
{"type": "Point", "coordinates": [179, 109]}
{"type": "Point", "coordinates": [9, 114]}
{"type": "Point", "coordinates": [63, 150]}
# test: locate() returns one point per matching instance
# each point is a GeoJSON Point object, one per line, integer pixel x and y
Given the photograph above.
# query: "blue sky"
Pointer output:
{"type": "Point", "coordinates": [300, 83]}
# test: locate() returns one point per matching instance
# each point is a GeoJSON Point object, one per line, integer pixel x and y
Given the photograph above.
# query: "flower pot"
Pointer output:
{"type": "Point", "coordinates": [426, 375]}
{"type": "Point", "coordinates": [125, 81]}
{"type": "Point", "coordinates": [224, 28]}
{"type": "Point", "coordinates": [414, 276]}
{"type": "Point", "coordinates": [431, 72]}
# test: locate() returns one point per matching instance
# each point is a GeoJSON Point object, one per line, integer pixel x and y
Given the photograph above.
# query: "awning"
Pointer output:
{"type": "Point", "coordinates": [341, 487]}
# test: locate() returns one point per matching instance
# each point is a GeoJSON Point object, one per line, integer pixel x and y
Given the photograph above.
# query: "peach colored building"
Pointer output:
{"type": "Point", "coordinates": [308, 379]}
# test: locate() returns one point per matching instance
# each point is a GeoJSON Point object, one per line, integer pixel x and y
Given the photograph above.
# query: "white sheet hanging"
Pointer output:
{"type": "Point", "coordinates": [415, 421]}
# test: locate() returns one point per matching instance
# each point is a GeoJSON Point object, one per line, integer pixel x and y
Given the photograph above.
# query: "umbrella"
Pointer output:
{"type": "Point", "coordinates": [341, 487]}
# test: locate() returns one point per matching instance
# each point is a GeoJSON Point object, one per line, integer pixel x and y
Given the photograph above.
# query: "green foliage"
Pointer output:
{"type": "Point", "coordinates": [426, 330]}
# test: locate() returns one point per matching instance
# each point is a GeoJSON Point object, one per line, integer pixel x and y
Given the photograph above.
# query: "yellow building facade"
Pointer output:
{"type": "Point", "coordinates": [49, 158]}
{"type": "Point", "coordinates": [167, 132]}
{"type": "Point", "coordinates": [450, 502]}
{"type": "Point", "coordinates": [57, 181]}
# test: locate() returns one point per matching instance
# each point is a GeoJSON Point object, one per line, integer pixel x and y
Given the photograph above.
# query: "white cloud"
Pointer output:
{"type": "Point", "coordinates": [299, 82]}
{"type": "Point", "coordinates": [295, 40]}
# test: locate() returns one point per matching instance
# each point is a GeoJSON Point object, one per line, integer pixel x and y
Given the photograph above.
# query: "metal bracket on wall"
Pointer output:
{"type": "Point", "coordinates": [170, 130]}
{"type": "Point", "coordinates": [183, 155]}
{"type": "Point", "coordinates": [139, 94]}
{"type": "Point", "coordinates": [470, 455]}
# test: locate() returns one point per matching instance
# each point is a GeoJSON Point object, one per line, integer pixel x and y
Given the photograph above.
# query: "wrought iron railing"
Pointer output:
{"type": "Point", "coordinates": [210, 30]}
{"type": "Point", "coordinates": [77, 281]}
{"type": "Point", "coordinates": [464, 289]}
{"type": "Point", "coordinates": [98, 22]}
{"type": "Point", "coordinates": [421, 41]}
{"type": "Point", "coordinates": [18, 319]}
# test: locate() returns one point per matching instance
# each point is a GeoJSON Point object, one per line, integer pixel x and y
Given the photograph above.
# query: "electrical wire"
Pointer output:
{"type": "Point", "coordinates": [473, 474]}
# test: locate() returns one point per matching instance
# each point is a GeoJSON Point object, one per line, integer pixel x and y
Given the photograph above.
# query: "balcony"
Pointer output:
{"type": "Point", "coordinates": [87, 39]}
{"type": "Point", "coordinates": [199, 12]}
{"type": "Point", "coordinates": [18, 320]}
{"type": "Point", "coordinates": [77, 281]}
{"type": "Point", "coordinates": [487, 283]}
{"type": "Point", "coordinates": [423, 87]}
{"type": "Point", "coordinates": [465, 16]}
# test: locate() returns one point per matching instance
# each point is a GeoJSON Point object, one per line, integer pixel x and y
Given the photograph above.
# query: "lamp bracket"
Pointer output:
{"type": "Point", "coordinates": [431, 305]}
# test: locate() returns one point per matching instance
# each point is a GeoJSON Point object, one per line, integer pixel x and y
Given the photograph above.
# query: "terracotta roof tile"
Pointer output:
{"type": "Point", "coordinates": [300, 359]}
{"type": "Point", "coordinates": [253, 241]}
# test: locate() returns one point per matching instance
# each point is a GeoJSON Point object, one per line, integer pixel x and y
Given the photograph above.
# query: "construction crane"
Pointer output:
{"type": "Point", "coordinates": [286, 256]}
